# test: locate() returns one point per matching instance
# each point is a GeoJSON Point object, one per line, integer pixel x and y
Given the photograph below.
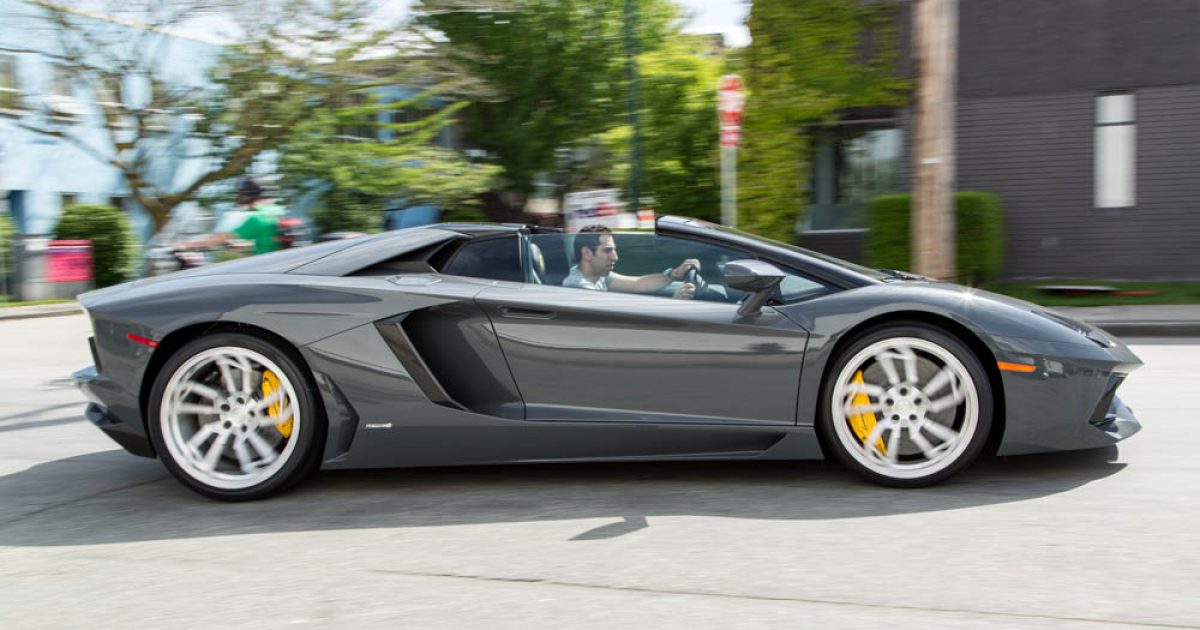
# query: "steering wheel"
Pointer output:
{"type": "Point", "coordinates": [692, 276]}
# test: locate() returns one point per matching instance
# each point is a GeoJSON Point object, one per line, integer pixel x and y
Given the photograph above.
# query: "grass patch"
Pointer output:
{"type": "Point", "coordinates": [1158, 293]}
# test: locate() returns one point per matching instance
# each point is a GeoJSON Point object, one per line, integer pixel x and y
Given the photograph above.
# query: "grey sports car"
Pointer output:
{"type": "Point", "coordinates": [461, 344]}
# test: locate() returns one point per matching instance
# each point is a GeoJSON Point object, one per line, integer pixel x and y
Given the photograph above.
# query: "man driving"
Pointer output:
{"type": "Point", "coordinates": [597, 256]}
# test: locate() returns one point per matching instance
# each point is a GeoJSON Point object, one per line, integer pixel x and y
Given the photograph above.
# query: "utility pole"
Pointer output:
{"type": "Point", "coordinates": [635, 149]}
{"type": "Point", "coordinates": [933, 226]}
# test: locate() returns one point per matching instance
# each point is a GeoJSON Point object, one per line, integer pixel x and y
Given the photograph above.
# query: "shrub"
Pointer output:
{"type": "Point", "coordinates": [979, 232]}
{"type": "Point", "coordinates": [114, 244]}
{"type": "Point", "coordinates": [6, 236]}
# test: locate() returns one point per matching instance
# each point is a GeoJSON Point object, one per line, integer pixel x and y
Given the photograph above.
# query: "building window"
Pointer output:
{"type": "Point", "coordinates": [68, 200]}
{"type": "Point", "coordinates": [10, 92]}
{"type": "Point", "coordinates": [852, 163]}
{"type": "Point", "coordinates": [1116, 151]}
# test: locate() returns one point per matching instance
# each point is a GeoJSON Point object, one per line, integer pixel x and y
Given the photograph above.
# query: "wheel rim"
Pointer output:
{"type": "Point", "coordinates": [230, 418]}
{"type": "Point", "coordinates": [905, 407]}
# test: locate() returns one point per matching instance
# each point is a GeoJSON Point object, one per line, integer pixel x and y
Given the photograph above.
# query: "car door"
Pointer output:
{"type": "Point", "coordinates": [597, 355]}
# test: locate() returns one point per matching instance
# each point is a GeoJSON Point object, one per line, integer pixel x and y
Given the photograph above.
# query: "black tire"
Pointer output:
{"type": "Point", "coordinates": [301, 459]}
{"type": "Point", "coordinates": [858, 456]}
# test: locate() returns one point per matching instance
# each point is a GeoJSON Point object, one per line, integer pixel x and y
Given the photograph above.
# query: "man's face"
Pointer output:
{"type": "Point", "coordinates": [604, 259]}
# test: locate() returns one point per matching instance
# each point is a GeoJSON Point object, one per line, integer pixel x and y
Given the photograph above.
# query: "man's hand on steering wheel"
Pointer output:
{"type": "Point", "coordinates": [680, 272]}
{"type": "Point", "coordinates": [693, 284]}
{"type": "Point", "coordinates": [686, 291]}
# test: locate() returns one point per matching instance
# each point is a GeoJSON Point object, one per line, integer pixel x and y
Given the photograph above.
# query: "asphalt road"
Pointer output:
{"type": "Point", "coordinates": [93, 537]}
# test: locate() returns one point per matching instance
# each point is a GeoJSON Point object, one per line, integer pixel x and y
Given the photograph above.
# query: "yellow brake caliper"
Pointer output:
{"type": "Point", "coordinates": [270, 383]}
{"type": "Point", "coordinates": [863, 423]}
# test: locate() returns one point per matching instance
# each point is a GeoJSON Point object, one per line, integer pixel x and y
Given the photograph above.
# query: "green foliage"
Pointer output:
{"type": "Point", "coordinates": [808, 62]}
{"type": "Point", "coordinates": [552, 72]}
{"type": "Point", "coordinates": [889, 233]}
{"type": "Point", "coordinates": [288, 63]}
{"type": "Point", "coordinates": [679, 128]}
{"type": "Point", "coordinates": [980, 237]}
{"type": "Point", "coordinates": [114, 243]}
{"type": "Point", "coordinates": [384, 163]}
{"type": "Point", "coordinates": [6, 236]}
{"type": "Point", "coordinates": [979, 233]}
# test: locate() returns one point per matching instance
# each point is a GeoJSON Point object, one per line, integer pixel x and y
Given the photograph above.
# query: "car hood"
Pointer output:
{"type": "Point", "coordinates": [996, 314]}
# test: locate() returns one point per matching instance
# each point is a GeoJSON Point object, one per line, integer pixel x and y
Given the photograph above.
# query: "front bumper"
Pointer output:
{"type": "Point", "coordinates": [1070, 401]}
{"type": "Point", "coordinates": [1119, 423]}
{"type": "Point", "coordinates": [105, 411]}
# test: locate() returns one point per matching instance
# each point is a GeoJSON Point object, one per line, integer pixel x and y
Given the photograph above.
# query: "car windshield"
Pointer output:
{"type": "Point", "coordinates": [878, 274]}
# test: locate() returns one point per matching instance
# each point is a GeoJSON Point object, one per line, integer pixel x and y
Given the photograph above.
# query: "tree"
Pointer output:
{"type": "Point", "coordinates": [364, 158]}
{"type": "Point", "coordinates": [679, 127]}
{"type": "Point", "coordinates": [555, 71]}
{"type": "Point", "coordinates": [808, 61]}
{"type": "Point", "coordinates": [169, 135]}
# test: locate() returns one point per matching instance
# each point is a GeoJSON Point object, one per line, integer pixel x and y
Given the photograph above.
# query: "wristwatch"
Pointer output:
{"type": "Point", "coordinates": [668, 272]}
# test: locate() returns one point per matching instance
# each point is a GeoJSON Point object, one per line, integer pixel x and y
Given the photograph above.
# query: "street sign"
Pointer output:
{"type": "Point", "coordinates": [731, 101]}
{"type": "Point", "coordinates": [597, 207]}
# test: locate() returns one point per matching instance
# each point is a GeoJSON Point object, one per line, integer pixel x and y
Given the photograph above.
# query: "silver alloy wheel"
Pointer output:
{"type": "Point", "coordinates": [217, 424]}
{"type": "Point", "coordinates": [922, 401]}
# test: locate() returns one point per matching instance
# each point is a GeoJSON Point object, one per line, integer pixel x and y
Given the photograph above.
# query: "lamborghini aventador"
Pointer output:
{"type": "Point", "coordinates": [458, 344]}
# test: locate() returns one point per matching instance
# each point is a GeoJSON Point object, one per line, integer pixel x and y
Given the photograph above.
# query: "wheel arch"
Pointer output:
{"type": "Point", "coordinates": [964, 334]}
{"type": "Point", "coordinates": [171, 343]}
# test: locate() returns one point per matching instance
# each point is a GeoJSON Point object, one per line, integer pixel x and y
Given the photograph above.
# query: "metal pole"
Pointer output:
{"type": "Point", "coordinates": [933, 230]}
{"type": "Point", "coordinates": [729, 185]}
{"type": "Point", "coordinates": [635, 151]}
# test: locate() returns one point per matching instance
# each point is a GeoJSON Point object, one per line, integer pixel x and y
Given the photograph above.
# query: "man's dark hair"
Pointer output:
{"type": "Point", "coordinates": [589, 237]}
{"type": "Point", "coordinates": [248, 191]}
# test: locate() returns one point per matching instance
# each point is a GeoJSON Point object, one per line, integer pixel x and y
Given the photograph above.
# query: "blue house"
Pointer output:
{"type": "Point", "coordinates": [40, 173]}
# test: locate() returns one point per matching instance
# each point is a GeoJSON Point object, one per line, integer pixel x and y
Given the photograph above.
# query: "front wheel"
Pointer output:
{"type": "Point", "coordinates": [234, 417]}
{"type": "Point", "coordinates": [906, 405]}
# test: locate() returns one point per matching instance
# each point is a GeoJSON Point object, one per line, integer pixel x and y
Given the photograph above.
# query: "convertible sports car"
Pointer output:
{"type": "Point", "coordinates": [459, 344]}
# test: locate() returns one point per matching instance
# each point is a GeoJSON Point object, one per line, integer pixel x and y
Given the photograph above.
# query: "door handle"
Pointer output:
{"type": "Point", "coordinates": [525, 313]}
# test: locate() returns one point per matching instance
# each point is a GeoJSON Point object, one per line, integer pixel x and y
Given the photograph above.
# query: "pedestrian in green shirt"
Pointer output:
{"type": "Point", "coordinates": [261, 228]}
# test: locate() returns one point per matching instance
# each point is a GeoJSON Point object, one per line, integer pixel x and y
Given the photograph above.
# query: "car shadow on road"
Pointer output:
{"type": "Point", "coordinates": [110, 497]}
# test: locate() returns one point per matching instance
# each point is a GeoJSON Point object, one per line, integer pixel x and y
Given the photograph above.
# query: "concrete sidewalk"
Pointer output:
{"type": "Point", "coordinates": [39, 310]}
{"type": "Point", "coordinates": [1122, 321]}
{"type": "Point", "coordinates": [1181, 320]}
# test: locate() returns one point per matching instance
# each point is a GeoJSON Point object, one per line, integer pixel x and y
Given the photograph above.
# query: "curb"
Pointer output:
{"type": "Point", "coordinates": [1150, 329]}
{"type": "Point", "coordinates": [31, 312]}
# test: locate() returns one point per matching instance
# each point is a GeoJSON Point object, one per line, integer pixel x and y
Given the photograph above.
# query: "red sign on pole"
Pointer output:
{"type": "Point", "coordinates": [731, 100]}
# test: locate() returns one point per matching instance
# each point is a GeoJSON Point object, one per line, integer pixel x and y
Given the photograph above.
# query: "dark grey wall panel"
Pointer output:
{"type": "Point", "coordinates": [1036, 153]}
{"type": "Point", "coordinates": [1052, 46]}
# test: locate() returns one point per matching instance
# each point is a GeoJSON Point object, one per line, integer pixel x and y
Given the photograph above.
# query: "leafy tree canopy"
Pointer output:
{"type": "Point", "coordinates": [808, 61]}
{"type": "Point", "coordinates": [555, 71]}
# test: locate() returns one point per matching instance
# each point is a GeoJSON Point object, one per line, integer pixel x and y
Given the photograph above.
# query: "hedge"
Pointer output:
{"type": "Point", "coordinates": [978, 225]}
{"type": "Point", "coordinates": [6, 236]}
{"type": "Point", "coordinates": [114, 244]}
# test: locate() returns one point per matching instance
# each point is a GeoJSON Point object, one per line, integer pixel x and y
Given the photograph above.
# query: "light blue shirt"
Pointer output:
{"type": "Point", "coordinates": [576, 280]}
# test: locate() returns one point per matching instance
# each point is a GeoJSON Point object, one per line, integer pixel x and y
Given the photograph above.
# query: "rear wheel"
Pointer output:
{"type": "Point", "coordinates": [235, 418]}
{"type": "Point", "coordinates": [906, 405]}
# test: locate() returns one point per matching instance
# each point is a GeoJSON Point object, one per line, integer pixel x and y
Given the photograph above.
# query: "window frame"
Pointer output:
{"type": "Point", "coordinates": [1102, 148]}
{"type": "Point", "coordinates": [825, 287]}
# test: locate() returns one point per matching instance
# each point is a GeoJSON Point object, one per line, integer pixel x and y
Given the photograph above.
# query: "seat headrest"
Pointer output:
{"type": "Point", "coordinates": [537, 262]}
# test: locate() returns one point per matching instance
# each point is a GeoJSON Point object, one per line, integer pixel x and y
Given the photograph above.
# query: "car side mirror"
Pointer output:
{"type": "Point", "coordinates": [755, 277]}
